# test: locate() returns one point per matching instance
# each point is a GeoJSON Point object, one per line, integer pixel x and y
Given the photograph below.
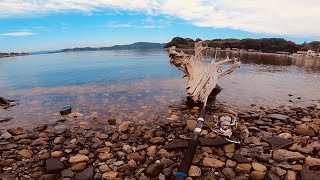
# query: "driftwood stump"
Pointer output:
{"type": "Point", "coordinates": [202, 77]}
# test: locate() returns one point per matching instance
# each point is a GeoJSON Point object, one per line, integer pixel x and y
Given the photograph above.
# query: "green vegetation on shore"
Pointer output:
{"type": "Point", "coordinates": [268, 45]}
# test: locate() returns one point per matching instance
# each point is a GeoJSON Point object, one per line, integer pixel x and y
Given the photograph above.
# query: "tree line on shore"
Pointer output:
{"type": "Point", "coordinates": [12, 54]}
{"type": "Point", "coordinates": [268, 45]}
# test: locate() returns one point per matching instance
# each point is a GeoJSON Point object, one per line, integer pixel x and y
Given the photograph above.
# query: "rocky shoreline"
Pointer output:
{"type": "Point", "coordinates": [276, 144]}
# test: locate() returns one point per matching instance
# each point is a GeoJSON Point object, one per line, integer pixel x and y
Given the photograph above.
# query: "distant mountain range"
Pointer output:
{"type": "Point", "coordinates": [137, 45]}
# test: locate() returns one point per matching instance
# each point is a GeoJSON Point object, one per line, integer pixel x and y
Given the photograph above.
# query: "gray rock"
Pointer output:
{"type": "Point", "coordinates": [307, 174]}
{"type": "Point", "coordinates": [280, 117]}
{"type": "Point", "coordinates": [67, 173]}
{"type": "Point", "coordinates": [278, 142]}
{"type": "Point", "coordinates": [240, 158]}
{"type": "Point", "coordinates": [86, 174]}
{"type": "Point", "coordinates": [272, 176]}
{"type": "Point", "coordinates": [48, 177]}
{"type": "Point", "coordinates": [229, 173]}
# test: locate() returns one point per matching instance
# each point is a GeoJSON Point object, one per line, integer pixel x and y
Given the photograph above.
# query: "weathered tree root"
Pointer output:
{"type": "Point", "coordinates": [202, 77]}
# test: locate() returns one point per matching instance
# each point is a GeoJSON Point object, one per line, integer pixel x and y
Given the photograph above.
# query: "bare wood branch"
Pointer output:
{"type": "Point", "coordinates": [202, 78]}
{"type": "Point", "coordinates": [229, 70]}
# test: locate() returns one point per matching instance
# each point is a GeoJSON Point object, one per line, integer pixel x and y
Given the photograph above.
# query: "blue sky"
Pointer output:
{"type": "Point", "coordinates": [32, 27]}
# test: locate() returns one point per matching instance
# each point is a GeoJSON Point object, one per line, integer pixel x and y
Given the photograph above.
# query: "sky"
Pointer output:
{"type": "Point", "coordinates": [34, 25]}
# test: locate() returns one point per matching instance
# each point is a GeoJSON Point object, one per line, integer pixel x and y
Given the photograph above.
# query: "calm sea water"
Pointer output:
{"type": "Point", "coordinates": [137, 85]}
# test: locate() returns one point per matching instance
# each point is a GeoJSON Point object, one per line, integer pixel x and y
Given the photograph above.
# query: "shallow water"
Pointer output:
{"type": "Point", "coordinates": [137, 85]}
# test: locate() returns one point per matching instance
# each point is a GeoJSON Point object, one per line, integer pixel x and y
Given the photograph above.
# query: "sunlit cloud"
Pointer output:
{"type": "Point", "coordinates": [17, 34]}
{"type": "Point", "coordinates": [281, 17]}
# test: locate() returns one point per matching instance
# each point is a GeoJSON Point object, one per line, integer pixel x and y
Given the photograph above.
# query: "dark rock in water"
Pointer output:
{"type": "Point", "coordinates": [48, 177]}
{"type": "Point", "coordinates": [16, 131]}
{"type": "Point", "coordinates": [278, 142]}
{"type": "Point", "coordinates": [240, 158]}
{"type": "Point", "coordinates": [86, 174]}
{"type": "Point", "coordinates": [54, 165]}
{"type": "Point", "coordinates": [272, 176]}
{"type": "Point", "coordinates": [153, 170]}
{"type": "Point", "coordinates": [66, 110]}
{"type": "Point", "coordinates": [6, 119]}
{"type": "Point", "coordinates": [7, 176]}
{"type": "Point", "coordinates": [307, 174]}
{"type": "Point", "coordinates": [278, 117]}
{"type": "Point", "coordinates": [4, 101]}
{"type": "Point", "coordinates": [213, 142]}
{"type": "Point", "coordinates": [176, 144]}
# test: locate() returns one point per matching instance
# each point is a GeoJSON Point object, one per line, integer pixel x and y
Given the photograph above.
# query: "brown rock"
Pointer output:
{"type": "Point", "coordinates": [135, 156]}
{"type": "Point", "coordinates": [124, 126]}
{"type": "Point", "coordinates": [79, 167]}
{"type": "Point", "coordinates": [231, 163]}
{"type": "Point", "coordinates": [310, 161]}
{"type": "Point", "coordinates": [306, 129]}
{"type": "Point", "coordinates": [285, 155]}
{"type": "Point", "coordinates": [110, 175]}
{"type": "Point", "coordinates": [26, 153]}
{"type": "Point", "coordinates": [258, 167]}
{"type": "Point", "coordinates": [57, 154]}
{"type": "Point", "coordinates": [38, 142]}
{"type": "Point", "coordinates": [291, 175]}
{"type": "Point", "coordinates": [212, 162]}
{"type": "Point", "coordinates": [104, 168]}
{"type": "Point", "coordinates": [78, 158]}
{"type": "Point", "coordinates": [191, 124]}
{"type": "Point", "coordinates": [243, 168]}
{"type": "Point", "coordinates": [153, 170]}
{"type": "Point", "coordinates": [278, 171]}
{"type": "Point", "coordinates": [296, 167]}
{"type": "Point", "coordinates": [16, 131]}
{"type": "Point", "coordinates": [207, 149]}
{"type": "Point", "coordinates": [105, 156]}
{"type": "Point", "coordinates": [194, 171]}
{"type": "Point", "coordinates": [229, 148]}
{"type": "Point", "coordinates": [157, 140]}
{"type": "Point", "coordinates": [257, 175]}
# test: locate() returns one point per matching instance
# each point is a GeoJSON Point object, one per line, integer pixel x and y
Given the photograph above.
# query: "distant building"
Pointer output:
{"type": "Point", "coordinates": [227, 49]}
{"type": "Point", "coordinates": [251, 50]}
{"type": "Point", "coordinates": [235, 49]}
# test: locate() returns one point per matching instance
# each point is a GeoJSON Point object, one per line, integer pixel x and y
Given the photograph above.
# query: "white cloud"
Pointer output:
{"type": "Point", "coordinates": [18, 34]}
{"type": "Point", "coordinates": [283, 17]}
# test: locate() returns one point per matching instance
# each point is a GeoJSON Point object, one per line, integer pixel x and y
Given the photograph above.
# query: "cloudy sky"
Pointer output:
{"type": "Point", "coordinates": [32, 25]}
